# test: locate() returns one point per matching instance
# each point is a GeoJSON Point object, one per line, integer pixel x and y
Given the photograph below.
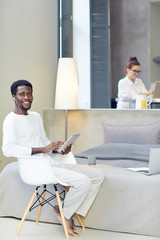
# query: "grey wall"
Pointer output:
{"type": "Point", "coordinates": [129, 37]}
{"type": "Point", "coordinates": [154, 41]}
{"type": "Point", "coordinates": [28, 50]}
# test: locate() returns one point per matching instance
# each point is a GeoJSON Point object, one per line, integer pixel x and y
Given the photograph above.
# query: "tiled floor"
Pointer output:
{"type": "Point", "coordinates": [45, 231]}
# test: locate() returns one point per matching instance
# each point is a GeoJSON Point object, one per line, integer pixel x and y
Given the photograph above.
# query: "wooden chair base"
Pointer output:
{"type": "Point", "coordinates": [42, 202]}
{"type": "Point", "coordinates": [40, 208]}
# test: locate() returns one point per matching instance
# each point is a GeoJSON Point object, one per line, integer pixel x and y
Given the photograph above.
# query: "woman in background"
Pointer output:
{"type": "Point", "coordinates": [131, 85]}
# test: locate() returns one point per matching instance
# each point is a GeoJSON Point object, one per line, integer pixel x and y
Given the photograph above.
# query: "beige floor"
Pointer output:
{"type": "Point", "coordinates": [44, 231]}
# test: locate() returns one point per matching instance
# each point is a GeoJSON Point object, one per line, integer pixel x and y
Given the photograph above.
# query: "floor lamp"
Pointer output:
{"type": "Point", "coordinates": [66, 96]}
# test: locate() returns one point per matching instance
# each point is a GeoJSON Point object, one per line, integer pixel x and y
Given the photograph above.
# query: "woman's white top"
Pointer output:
{"type": "Point", "coordinates": [21, 133]}
{"type": "Point", "coordinates": [128, 90]}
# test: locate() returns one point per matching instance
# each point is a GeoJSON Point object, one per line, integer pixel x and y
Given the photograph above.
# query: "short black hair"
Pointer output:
{"type": "Point", "coordinates": [18, 83]}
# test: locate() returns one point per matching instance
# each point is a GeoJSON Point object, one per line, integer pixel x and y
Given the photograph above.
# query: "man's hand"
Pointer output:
{"type": "Point", "coordinates": [53, 146]}
{"type": "Point", "coordinates": [66, 150]}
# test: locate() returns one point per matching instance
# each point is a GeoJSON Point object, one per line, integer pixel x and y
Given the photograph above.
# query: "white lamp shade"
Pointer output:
{"type": "Point", "coordinates": [66, 96]}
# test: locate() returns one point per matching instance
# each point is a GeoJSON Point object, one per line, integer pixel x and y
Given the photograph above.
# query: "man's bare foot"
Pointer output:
{"type": "Point", "coordinates": [73, 225]}
{"type": "Point", "coordinates": [69, 223]}
{"type": "Point", "coordinates": [56, 210]}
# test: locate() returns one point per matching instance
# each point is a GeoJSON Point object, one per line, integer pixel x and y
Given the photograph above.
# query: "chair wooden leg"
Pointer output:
{"type": "Point", "coordinates": [40, 207]}
{"type": "Point", "coordinates": [80, 220]}
{"type": "Point", "coordinates": [77, 215]}
{"type": "Point", "coordinates": [27, 210]}
{"type": "Point", "coordinates": [62, 215]}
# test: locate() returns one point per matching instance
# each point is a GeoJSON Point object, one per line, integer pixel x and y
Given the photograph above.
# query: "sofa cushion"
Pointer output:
{"type": "Point", "coordinates": [139, 134]}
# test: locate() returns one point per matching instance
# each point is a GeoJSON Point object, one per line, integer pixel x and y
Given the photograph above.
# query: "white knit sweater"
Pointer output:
{"type": "Point", "coordinates": [21, 133]}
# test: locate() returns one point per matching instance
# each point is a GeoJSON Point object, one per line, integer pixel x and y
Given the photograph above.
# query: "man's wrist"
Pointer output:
{"type": "Point", "coordinates": [38, 150]}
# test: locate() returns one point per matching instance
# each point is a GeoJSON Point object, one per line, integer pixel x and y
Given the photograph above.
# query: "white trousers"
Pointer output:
{"type": "Point", "coordinates": [84, 183]}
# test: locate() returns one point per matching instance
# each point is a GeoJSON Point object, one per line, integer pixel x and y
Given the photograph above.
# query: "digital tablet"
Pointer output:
{"type": "Point", "coordinates": [70, 140]}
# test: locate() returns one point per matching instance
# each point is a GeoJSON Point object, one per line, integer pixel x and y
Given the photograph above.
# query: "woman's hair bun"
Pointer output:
{"type": "Point", "coordinates": [133, 59]}
{"type": "Point", "coordinates": [131, 62]}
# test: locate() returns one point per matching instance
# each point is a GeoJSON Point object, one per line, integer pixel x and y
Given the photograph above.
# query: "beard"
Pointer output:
{"type": "Point", "coordinates": [25, 109]}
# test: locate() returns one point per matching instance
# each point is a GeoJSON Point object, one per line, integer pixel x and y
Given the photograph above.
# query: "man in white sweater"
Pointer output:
{"type": "Point", "coordinates": [24, 135]}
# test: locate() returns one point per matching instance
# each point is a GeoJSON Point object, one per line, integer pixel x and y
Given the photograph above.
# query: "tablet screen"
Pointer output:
{"type": "Point", "coordinates": [70, 140]}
